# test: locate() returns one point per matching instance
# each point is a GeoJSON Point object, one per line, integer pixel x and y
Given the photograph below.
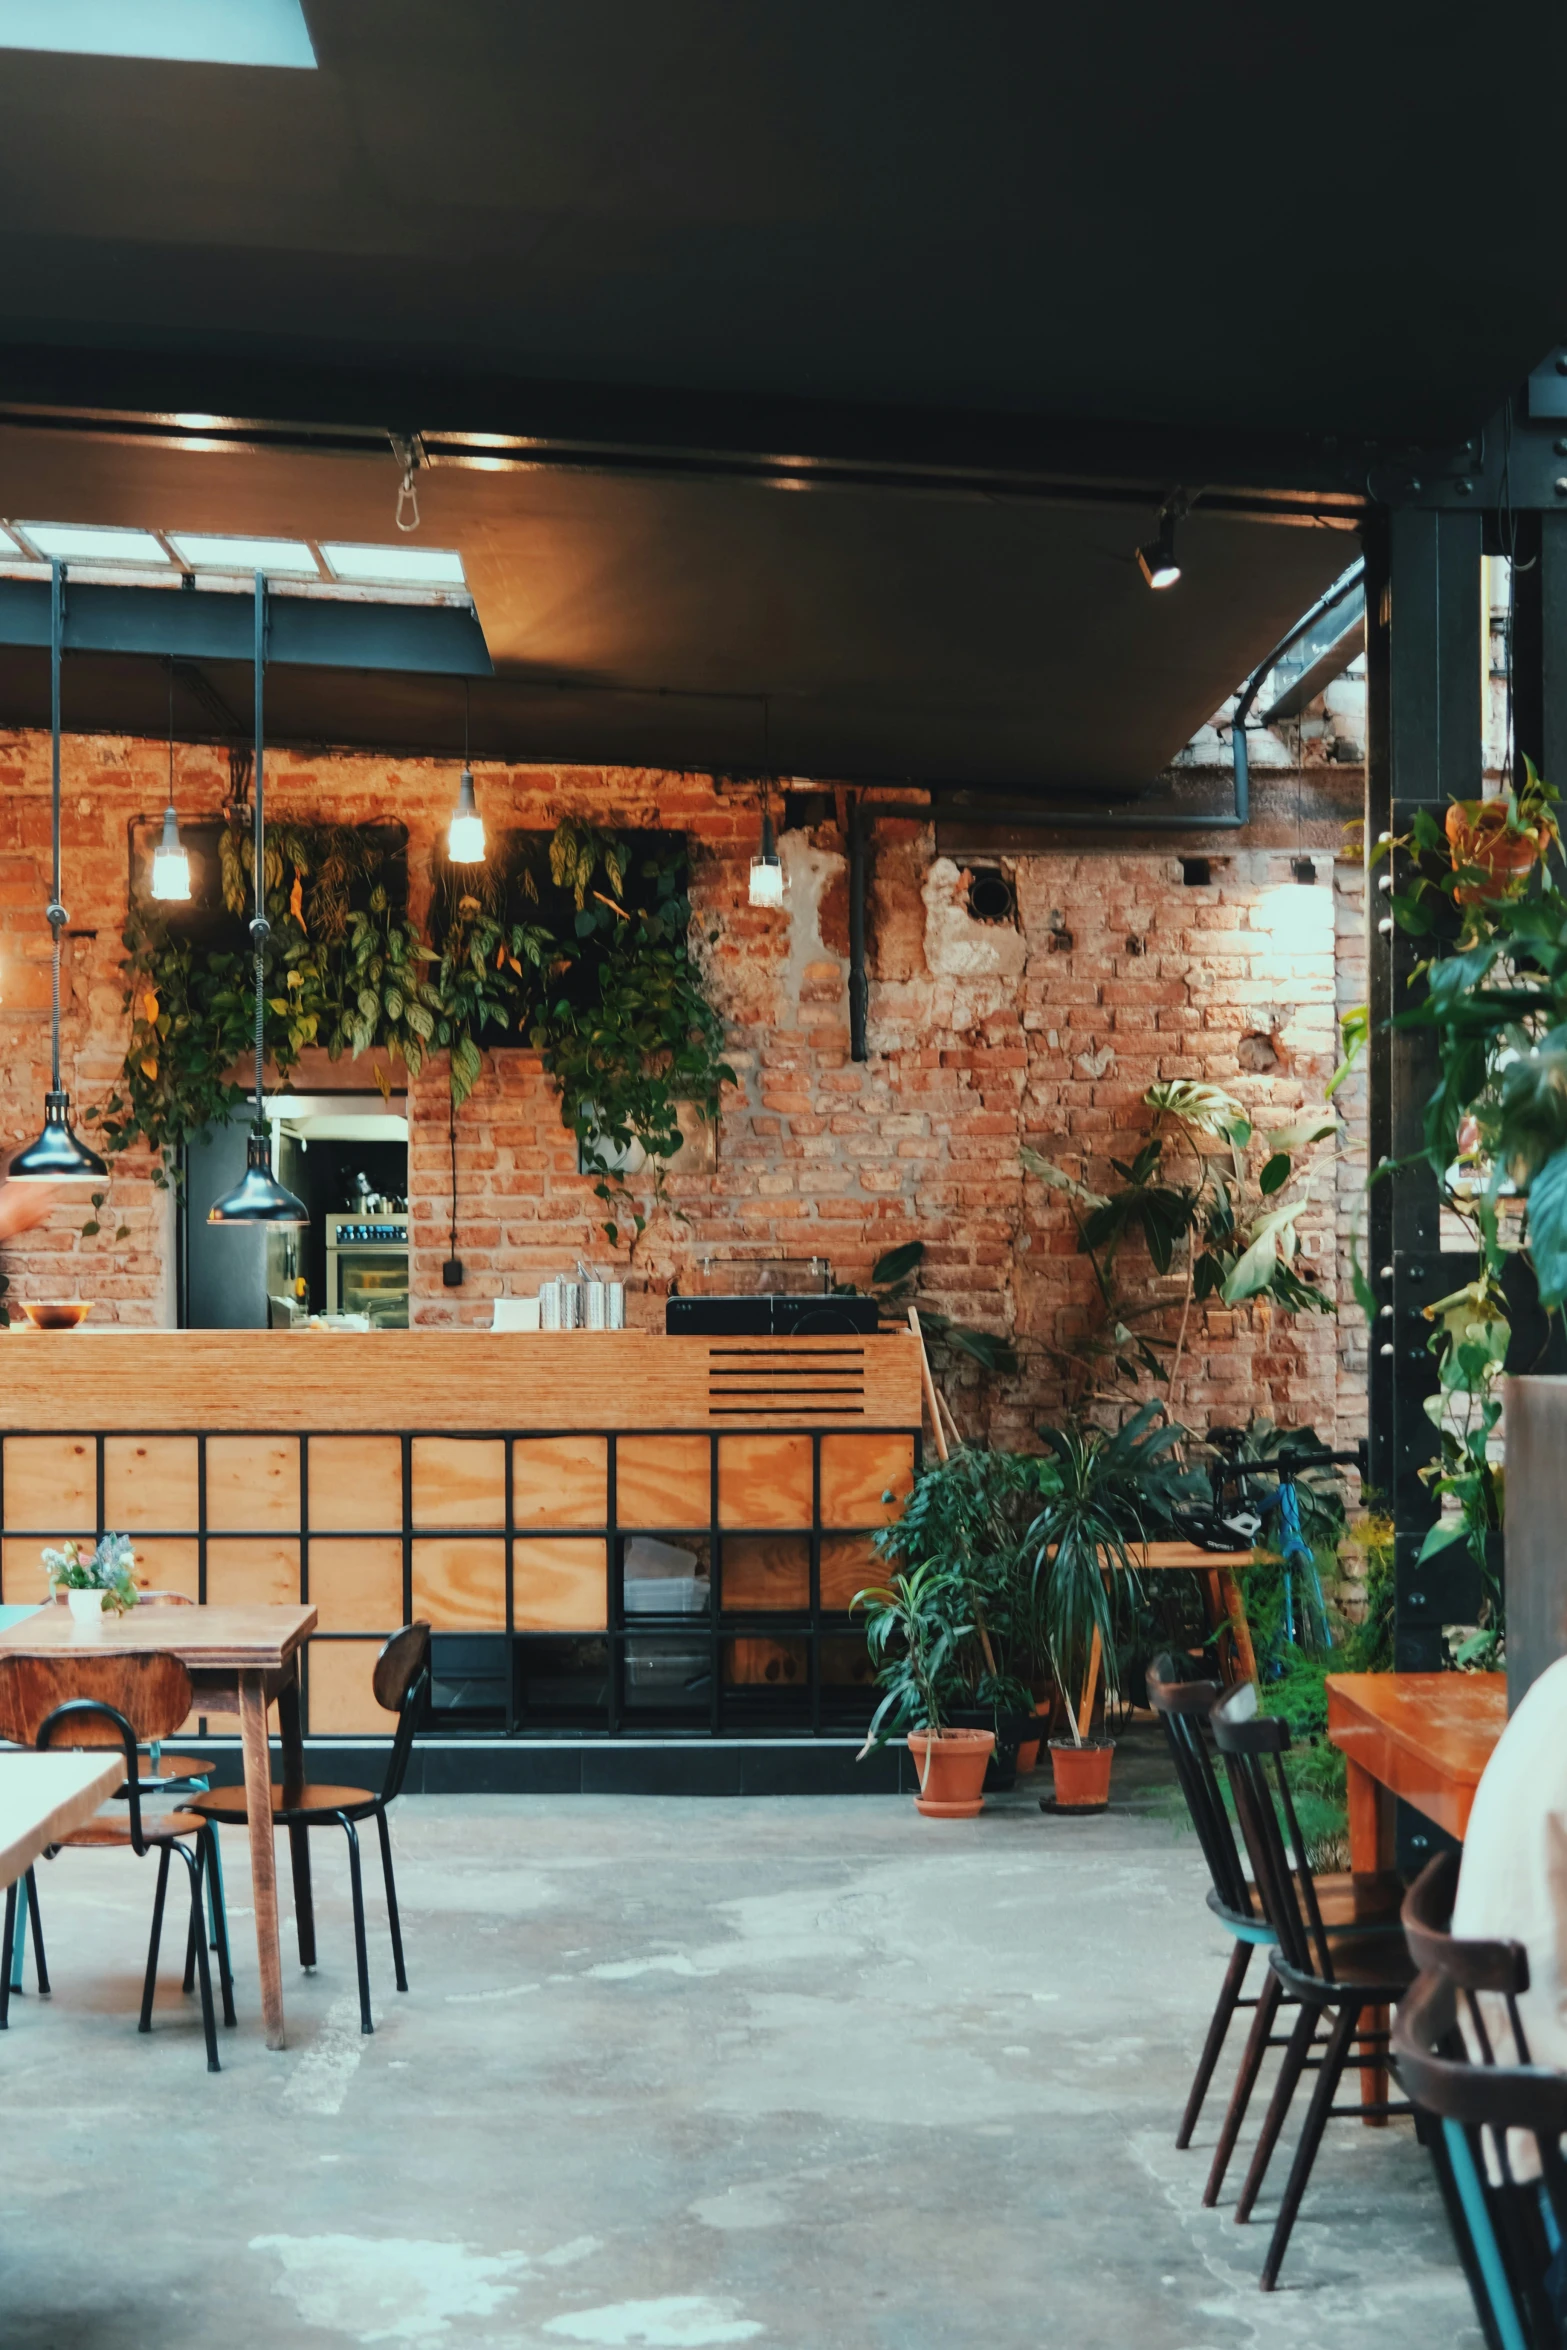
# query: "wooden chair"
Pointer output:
{"type": "Point", "coordinates": [125, 1701]}
{"type": "Point", "coordinates": [1332, 1974]}
{"type": "Point", "coordinates": [1349, 1904]}
{"type": "Point", "coordinates": [401, 1683]}
{"type": "Point", "coordinates": [1511, 2232]}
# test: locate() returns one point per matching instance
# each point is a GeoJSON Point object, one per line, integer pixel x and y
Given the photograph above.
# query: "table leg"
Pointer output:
{"type": "Point", "coordinates": [263, 1861]}
{"type": "Point", "coordinates": [1240, 1629]}
{"type": "Point", "coordinates": [298, 1835]}
{"type": "Point", "coordinates": [1371, 1848]}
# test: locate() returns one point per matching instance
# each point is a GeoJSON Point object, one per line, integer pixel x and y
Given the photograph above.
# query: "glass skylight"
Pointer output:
{"type": "Point", "coordinates": [81, 542]}
{"type": "Point", "coordinates": [396, 566]}
{"type": "Point", "coordinates": [207, 551]}
{"type": "Point", "coordinates": [200, 32]}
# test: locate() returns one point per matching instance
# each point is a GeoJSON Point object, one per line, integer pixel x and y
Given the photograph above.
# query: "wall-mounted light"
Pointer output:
{"type": "Point", "coordinates": [258, 1197]}
{"type": "Point", "coordinates": [170, 864]}
{"type": "Point", "coordinates": [59, 1155]}
{"type": "Point", "coordinates": [767, 873]}
{"type": "Point", "coordinates": [1157, 561]}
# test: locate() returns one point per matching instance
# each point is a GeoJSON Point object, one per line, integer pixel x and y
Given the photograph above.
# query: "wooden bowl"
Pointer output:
{"type": "Point", "coordinates": [58, 1314]}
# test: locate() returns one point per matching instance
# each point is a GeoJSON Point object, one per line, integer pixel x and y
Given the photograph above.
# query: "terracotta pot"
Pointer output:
{"type": "Point", "coordinates": [953, 1779]}
{"type": "Point", "coordinates": [1478, 834]}
{"type": "Point", "coordinates": [1028, 1750]}
{"type": "Point", "coordinates": [1082, 1773]}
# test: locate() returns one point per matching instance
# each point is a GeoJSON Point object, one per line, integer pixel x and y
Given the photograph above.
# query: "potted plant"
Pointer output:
{"type": "Point", "coordinates": [1497, 843]}
{"type": "Point", "coordinates": [96, 1585]}
{"type": "Point", "coordinates": [1112, 1492]}
{"type": "Point", "coordinates": [917, 1628]}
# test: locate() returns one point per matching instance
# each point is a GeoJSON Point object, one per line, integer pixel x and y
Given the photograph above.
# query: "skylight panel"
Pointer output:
{"type": "Point", "coordinates": [8, 546]}
{"type": "Point", "coordinates": [395, 566]}
{"type": "Point", "coordinates": [210, 551]}
{"type": "Point", "coordinates": [197, 32]}
{"type": "Point", "coordinates": [82, 542]}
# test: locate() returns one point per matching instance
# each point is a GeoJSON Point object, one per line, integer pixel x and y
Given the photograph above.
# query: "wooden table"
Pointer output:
{"type": "Point", "coordinates": [43, 1797]}
{"type": "Point", "coordinates": [240, 1659]}
{"type": "Point", "coordinates": [1221, 1593]}
{"type": "Point", "coordinates": [1424, 1736]}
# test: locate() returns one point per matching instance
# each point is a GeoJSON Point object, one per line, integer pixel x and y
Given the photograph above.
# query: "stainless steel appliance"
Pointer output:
{"type": "Point", "coordinates": [367, 1268]}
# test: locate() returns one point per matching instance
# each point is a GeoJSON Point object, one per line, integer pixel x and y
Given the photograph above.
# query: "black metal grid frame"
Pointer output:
{"type": "Point", "coordinates": [810, 1625]}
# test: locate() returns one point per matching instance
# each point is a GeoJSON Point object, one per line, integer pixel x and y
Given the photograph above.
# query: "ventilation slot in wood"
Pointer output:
{"type": "Point", "coordinates": [826, 1383]}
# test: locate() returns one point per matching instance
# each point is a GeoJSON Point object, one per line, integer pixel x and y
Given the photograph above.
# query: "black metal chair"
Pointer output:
{"type": "Point", "coordinates": [1329, 1972]}
{"type": "Point", "coordinates": [1515, 2230]}
{"type": "Point", "coordinates": [1350, 1904]}
{"type": "Point", "coordinates": [402, 1684]}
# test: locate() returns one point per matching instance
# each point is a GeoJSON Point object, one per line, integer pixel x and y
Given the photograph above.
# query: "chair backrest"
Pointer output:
{"type": "Point", "coordinates": [1254, 1745]}
{"type": "Point", "coordinates": [1184, 1707]}
{"type": "Point", "coordinates": [1470, 1965]}
{"type": "Point", "coordinates": [402, 1684]}
{"type": "Point", "coordinates": [150, 1692]}
{"type": "Point", "coordinates": [1512, 2236]}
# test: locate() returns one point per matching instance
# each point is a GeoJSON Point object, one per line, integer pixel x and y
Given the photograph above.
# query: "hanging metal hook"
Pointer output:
{"type": "Point", "coordinates": [408, 449]}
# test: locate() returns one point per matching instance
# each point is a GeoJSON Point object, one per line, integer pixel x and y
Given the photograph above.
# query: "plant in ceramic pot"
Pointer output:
{"type": "Point", "coordinates": [1114, 1491]}
{"type": "Point", "coordinates": [1495, 844]}
{"type": "Point", "coordinates": [918, 1629]}
{"type": "Point", "coordinates": [96, 1585]}
{"type": "Point", "coordinates": [970, 1513]}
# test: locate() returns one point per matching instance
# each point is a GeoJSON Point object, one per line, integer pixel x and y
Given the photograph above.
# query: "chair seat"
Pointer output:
{"type": "Point", "coordinates": [310, 1801]}
{"type": "Point", "coordinates": [1348, 1903]}
{"type": "Point", "coordinates": [1371, 1967]}
{"type": "Point", "coordinates": [177, 1766]}
{"type": "Point", "coordinates": [115, 1828]}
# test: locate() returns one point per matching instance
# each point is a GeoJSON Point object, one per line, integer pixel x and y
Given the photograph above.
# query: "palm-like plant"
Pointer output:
{"type": "Point", "coordinates": [917, 1628]}
{"type": "Point", "coordinates": [1114, 1492]}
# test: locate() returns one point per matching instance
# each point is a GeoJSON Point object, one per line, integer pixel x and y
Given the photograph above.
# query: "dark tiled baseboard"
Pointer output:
{"type": "Point", "coordinates": [606, 1766]}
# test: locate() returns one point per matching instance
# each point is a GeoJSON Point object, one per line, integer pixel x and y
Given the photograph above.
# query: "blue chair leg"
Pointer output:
{"type": "Point", "coordinates": [1471, 2194]}
{"type": "Point", "coordinates": [216, 1905]}
{"type": "Point", "coordinates": [19, 1936]}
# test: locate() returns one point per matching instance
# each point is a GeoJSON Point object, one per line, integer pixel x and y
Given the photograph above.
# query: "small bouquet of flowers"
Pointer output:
{"type": "Point", "coordinates": [107, 1569]}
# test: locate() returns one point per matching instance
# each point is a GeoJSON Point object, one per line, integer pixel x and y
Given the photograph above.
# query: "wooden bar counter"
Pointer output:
{"type": "Point", "coordinates": [489, 1483]}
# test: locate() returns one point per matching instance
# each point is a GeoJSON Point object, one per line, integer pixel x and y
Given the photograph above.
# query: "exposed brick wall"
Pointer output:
{"type": "Point", "coordinates": [982, 1037]}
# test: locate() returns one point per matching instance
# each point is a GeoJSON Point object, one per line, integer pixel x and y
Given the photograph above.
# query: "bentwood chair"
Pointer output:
{"type": "Point", "coordinates": [1333, 1975]}
{"type": "Point", "coordinates": [1349, 1905]}
{"type": "Point", "coordinates": [124, 1701]}
{"type": "Point", "coordinates": [1515, 2229]}
{"type": "Point", "coordinates": [401, 1683]}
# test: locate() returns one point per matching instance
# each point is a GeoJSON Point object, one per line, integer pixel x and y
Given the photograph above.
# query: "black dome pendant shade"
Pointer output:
{"type": "Point", "coordinates": [59, 1155]}
{"type": "Point", "coordinates": [258, 1198]}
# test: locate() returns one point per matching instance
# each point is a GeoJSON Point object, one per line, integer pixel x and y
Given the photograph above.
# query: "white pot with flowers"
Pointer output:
{"type": "Point", "coordinates": [95, 1585]}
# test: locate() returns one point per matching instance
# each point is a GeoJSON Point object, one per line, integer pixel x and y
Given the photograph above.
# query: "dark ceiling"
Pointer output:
{"type": "Point", "coordinates": [836, 356]}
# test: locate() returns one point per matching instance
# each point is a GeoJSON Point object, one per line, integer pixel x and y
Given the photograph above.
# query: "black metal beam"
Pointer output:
{"type": "Point", "coordinates": [313, 632]}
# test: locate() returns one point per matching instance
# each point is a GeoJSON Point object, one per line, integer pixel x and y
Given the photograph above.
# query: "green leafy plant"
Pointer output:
{"type": "Point", "coordinates": [895, 1286]}
{"type": "Point", "coordinates": [917, 1628]}
{"type": "Point", "coordinates": [107, 1569]}
{"type": "Point", "coordinates": [1206, 1186]}
{"type": "Point", "coordinates": [1114, 1493]}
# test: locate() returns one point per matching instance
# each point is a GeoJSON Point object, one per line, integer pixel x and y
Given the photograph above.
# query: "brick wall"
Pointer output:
{"type": "Point", "coordinates": [983, 1037]}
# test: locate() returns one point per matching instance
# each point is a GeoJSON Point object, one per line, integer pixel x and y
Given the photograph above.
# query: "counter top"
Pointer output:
{"type": "Point", "coordinates": [452, 1380]}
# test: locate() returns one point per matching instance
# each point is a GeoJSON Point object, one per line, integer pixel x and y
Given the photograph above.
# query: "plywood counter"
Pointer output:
{"type": "Point", "coordinates": [490, 1483]}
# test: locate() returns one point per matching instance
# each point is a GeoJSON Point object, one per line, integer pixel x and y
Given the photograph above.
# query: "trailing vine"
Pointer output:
{"type": "Point", "coordinates": [578, 944]}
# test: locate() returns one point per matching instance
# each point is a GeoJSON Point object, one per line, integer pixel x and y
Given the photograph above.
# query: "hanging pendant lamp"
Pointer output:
{"type": "Point", "coordinates": [258, 1198]}
{"type": "Point", "coordinates": [59, 1155]}
{"type": "Point", "coordinates": [465, 833]}
{"type": "Point", "coordinates": [170, 864]}
{"type": "Point", "coordinates": [767, 873]}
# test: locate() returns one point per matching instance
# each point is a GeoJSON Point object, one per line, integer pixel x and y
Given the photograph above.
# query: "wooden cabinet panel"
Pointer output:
{"type": "Point", "coordinates": [773, 1664]}
{"type": "Point", "coordinates": [663, 1481]}
{"type": "Point", "coordinates": [22, 1579]}
{"type": "Point", "coordinates": [849, 1565]}
{"type": "Point", "coordinates": [150, 1481]}
{"type": "Point", "coordinates": [339, 1698]}
{"type": "Point", "coordinates": [252, 1483]}
{"type": "Point", "coordinates": [356, 1484]}
{"type": "Point", "coordinates": [559, 1585]}
{"type": "Point", "coordinates": [857, 1471]}
{"type": "Point", "coordinates": [460, 1586]}
{"type": "Point", "coordinates": [764, 1481]}
{"type": "Point", "coordinates": [459, 1481]}
{"type": "Point", "coordinates": [560, 1481]}
{"type": "Point", "coordinates": [357, 1586]}
{"type": "Point", "coordinates": [51, 1484]}
{"type": "Point", "coordinates": [162, 1565]}
{"type": "Point", "coordinates": [766, 1571]}
{"type": "Point", "coordinates": [264, 1573]}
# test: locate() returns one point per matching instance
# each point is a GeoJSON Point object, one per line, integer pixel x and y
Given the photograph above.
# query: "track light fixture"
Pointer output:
{"type": "Point", "coordinates": [59, 1155]}
{"type": "Point", "coordinates": [1157, 561]}
{"type": "Point", "coordinates": [767, 873]}
{"type": "Point", "coordinates": [258, 1197]}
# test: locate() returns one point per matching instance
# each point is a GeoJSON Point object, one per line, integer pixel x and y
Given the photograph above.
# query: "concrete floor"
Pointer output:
{"type": "Point", "coordinates": [805, 2072]}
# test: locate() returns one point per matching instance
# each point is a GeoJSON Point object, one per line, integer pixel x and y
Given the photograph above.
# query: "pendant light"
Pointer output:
{"type": "Point", "coordinates": [465, 833]}
{"type": "Point", "coordinates": [258, 1197]}
{"type": "Point", "coordinates": [170, 864]}
{"type": "Point", "coordinates": [767, 873]}
{"type": "Point", "coordinates": [59, 1155]}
